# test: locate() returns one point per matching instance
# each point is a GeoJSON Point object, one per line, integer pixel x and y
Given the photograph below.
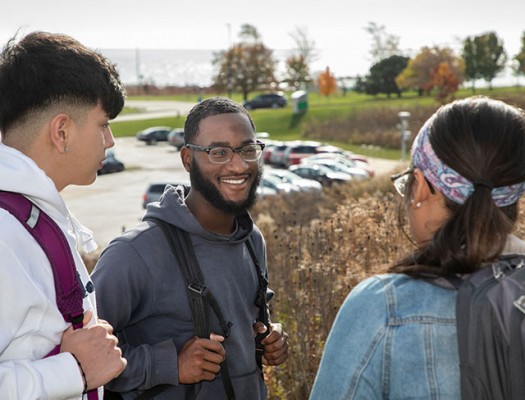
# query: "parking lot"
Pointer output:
{"type": "Point", "coordinates": [114, 202]}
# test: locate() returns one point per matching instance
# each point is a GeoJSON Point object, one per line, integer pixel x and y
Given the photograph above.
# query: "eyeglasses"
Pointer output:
{"type": "Point", "coordinates": [223, 154]}
{"type": "Point", "coordinates": [400, 180]}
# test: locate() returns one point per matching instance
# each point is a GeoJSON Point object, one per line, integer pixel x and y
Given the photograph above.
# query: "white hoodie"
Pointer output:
{"type": "Point", "coordinates": [30, 323]}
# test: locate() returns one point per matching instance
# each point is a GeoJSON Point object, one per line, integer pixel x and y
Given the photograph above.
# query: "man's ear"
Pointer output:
{"type": "Point", "coordinates": [185, 156]}
{"type": "Point", "coordinates": [59, 127]}
{"type": "Point", "coordinates": [420, 189]}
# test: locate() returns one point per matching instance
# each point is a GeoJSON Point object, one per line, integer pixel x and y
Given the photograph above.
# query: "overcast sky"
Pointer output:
{"type": "Point", "coordinates": [336, 26]}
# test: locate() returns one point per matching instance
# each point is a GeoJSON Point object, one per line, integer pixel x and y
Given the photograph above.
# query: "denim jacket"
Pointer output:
{"type": "Point", "coordinates": [393, 338]}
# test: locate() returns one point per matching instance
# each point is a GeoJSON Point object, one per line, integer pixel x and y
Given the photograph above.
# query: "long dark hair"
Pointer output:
{"type": "Point", "coordinates": [483, 140]}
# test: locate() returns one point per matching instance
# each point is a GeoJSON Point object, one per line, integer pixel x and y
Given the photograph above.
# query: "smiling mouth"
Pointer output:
{"type": "Point", "coordinates": [232, 181]}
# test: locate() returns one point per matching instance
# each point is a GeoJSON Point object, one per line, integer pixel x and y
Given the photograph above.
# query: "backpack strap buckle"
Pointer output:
{"type": "Point", "coordinates": [198, 288]}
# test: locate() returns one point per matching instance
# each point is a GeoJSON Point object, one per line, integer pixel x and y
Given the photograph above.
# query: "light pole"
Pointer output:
{"type": "Point", "coordinates": [228, 61]}
{"type": "Point", "coordinates": [405, 133]}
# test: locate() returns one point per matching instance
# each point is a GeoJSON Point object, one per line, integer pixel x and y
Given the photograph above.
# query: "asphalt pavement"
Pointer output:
{"type": "Point", "coordinates": [114, 202]}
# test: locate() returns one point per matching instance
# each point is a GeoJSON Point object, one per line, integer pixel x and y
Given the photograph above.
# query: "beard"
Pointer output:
{"type": "Point", "coordinates": [210, 192]}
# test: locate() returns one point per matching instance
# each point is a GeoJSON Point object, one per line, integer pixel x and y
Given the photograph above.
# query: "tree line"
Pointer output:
{"type": "Point", "coordinates": [249, 65]}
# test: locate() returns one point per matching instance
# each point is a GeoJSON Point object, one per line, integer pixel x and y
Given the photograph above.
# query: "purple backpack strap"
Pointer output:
{"type": "Point", "coordinates": [54, 244]}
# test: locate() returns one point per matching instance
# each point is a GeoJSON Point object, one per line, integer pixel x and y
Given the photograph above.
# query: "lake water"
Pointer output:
{"type": "Point", "coordinates": [168, 67]}
{"type": "Point", "coordinates": [194, 67]}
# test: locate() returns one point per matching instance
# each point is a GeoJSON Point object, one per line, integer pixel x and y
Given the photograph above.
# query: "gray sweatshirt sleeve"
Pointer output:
{"type": "Point", "coordinates": [125, 291]}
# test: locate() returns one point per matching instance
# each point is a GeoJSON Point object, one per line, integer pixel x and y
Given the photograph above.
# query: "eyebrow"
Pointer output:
{"type": "Point", "coordinates": [227, 144]}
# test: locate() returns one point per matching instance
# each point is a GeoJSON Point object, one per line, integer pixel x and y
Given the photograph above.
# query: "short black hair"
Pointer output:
{"type": "Point", "coordinates": [208, 108]}
{"type": "Point", "coordinates": [44, 68]}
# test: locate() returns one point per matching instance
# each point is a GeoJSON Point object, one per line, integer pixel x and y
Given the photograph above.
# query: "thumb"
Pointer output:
{"type": "Point", "coordinates": [259, 327]}
{"type": "Point", "coordinates": [216, 337]}
{"type": "Point", "coordinates": [87, 317]}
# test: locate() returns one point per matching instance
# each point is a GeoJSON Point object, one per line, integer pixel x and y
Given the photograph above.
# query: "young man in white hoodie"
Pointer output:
{"type": "Point", "coordinates": [56, 100]}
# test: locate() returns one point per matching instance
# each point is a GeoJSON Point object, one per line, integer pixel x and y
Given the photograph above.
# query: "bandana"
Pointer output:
{"type": "Point", "coordinates": [448, 181]}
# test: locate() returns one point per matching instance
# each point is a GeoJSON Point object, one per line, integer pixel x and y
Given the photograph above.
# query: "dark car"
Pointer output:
{"type": "Point", "coordinates": [154, 134]}
{"type": "Point", "coordinates": [270, 100]}
{"type": "Point", "coordinates": [155, 190]}
{"type": "Point", "coordinates": [176, 138]}
{"type": "Point", "coordinates": [111, 164]}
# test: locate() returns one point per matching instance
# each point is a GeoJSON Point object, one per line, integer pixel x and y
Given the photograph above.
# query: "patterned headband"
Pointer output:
{"type": "Point", "coordinates": [448, 181]}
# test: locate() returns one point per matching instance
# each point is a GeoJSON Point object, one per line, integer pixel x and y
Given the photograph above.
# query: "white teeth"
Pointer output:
{"type": "Point", "coordinates": [234, 181]}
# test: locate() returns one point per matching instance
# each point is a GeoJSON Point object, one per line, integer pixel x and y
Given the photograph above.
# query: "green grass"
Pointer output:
{"type": "Point", "coordinates": [282, 124]}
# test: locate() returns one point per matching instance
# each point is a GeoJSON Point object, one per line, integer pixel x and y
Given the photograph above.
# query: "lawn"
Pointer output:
{"type": "Point", "coordinates": [283, 124]}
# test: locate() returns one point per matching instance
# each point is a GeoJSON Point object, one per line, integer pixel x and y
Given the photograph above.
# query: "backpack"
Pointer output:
{"type": "Point", "coordinates": [49, 236]}
{"type": "Point", "coordinates": [490, 315]}
{"type": "Point", "coordinates": [202, 302]}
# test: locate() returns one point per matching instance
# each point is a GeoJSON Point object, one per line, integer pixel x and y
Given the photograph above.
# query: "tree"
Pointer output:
{"type": "Point", "coordinates": [520, 57]}
{"type": "Point", "coordinates": [304, 46]}
{"type": "Point", "coordinates": [297, 71]}
{"type": "Point", "coordinates": [384, 45]}
{"type": "Point", "coordinates": [246, 66]}
{"type": "Point", "coordinates": [445, 81]}
{"type": "Point", "coordinates": [484, 57]}
{"type": "Point", "coordinates": [298, 63]}
{"type": "Point", "coordinates": [420, 71]}
{"type": "Point", "coordinates": [326, 82]}
{"type": "Point", "coordinates": [381, 78]}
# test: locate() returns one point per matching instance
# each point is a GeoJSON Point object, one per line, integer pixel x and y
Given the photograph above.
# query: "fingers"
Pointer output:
{"type": "Point", "coordinates": [200, 359]}
{"type": "Point", "coordinates": [275, 346]}
{"type": "Point", "coordinates": [259, 327]}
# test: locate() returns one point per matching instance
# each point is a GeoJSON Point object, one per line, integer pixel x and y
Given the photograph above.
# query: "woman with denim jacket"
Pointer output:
{"type": "Point", "coordinates": [395, 335]}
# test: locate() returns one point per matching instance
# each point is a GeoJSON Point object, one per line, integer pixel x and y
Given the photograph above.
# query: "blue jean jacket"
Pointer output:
{"type": "Point", "coordinates": [393, 338]}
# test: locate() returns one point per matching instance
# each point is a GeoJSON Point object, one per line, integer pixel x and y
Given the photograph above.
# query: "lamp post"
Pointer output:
{"type": "Point", "coordinates": [229, 66]}
{"type": "Point", "coordinates": [405, 133]}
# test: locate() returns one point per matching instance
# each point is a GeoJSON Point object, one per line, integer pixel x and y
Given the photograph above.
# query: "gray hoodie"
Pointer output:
{"type": "Point", "coordinates": [141, 292]}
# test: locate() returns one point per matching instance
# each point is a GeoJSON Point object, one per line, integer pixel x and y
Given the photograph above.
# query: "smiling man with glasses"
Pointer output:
{"type": "Point", "coordinates": [141, 289]}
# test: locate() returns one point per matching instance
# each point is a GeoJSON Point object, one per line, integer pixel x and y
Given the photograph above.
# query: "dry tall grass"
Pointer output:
{"type": "Point", "coordinates": [318, 249]}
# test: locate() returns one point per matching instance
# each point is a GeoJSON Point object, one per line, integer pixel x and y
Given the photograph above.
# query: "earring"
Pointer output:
{"type": "Point", "coordinates": [418, 204]}
{"type": "Point", "coordinates": [66, 149]}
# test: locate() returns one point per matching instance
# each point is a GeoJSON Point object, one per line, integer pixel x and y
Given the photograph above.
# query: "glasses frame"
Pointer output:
{"type": "Point", "coordinates": [208, 149]}
{"type": "Point", "coordinates": [396, 180]}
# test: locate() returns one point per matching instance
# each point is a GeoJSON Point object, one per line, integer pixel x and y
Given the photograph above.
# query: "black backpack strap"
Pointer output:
{"type": "Point", "coordinates": [261, 303]}
{"type": "Point", "coordinates": [200, 296]}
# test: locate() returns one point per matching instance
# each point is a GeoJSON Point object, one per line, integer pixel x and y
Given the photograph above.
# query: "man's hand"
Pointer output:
{"type": "Point", "coordinates": [97, 351]}
{"type": "Point", "coordinates": [275, 344]}
{"type": "Point", "coordinates": [201, 359]}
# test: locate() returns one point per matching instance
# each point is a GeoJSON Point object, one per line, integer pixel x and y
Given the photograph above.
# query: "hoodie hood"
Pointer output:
{"type": "Point", "coordinates": [20, 174]}
{"type": "Point", "coordinates": [181, 216]}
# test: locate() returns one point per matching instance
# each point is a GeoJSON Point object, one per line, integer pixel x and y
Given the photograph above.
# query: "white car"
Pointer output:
{"type": "Point", "coordinates": [341, 165]}
{"type": "Point", "coordinates": [306, 185]}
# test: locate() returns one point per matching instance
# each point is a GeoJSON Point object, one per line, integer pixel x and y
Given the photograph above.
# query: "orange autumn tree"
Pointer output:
{"type": "Point", "coordinates": [326, 82]}
{"type": "Point", "coordinates": [445, 81]}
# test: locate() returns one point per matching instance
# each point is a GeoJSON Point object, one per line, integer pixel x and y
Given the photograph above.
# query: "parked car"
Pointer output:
{"type": "Point", "coordinates": [325, 176]}
{"type": "Point", "coordinates": [298, 150]}
{"type": "Point", "coordinates": [154, 192]}
{"type": "Point", "coordinates": [329, 149]}
{"type": "Point", "coordinates": [277, 155]}
{"type": "Point", "coordinates": [275, 183]}
{"type": "Point", "coordinates": [264, 191]}
{"type": "Point", "coordinates": [306, 185]}
{"type": "Point", "coordinates": [347, 159]}
{"type": "Point", "coordinates": [339, 166]}
{"type": "Point", "coordinates": [176, 138]}
{"type": "Point", "coordinates": [269, 100]}
{"type": "Point", "coordinates": [111, 164]}
{"type": "Point", "coordinates": [362, 170]}
{"type": "Point", "coordinates": [154, 134]}
{"type": "Point", "coordinates": [269, 147]}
